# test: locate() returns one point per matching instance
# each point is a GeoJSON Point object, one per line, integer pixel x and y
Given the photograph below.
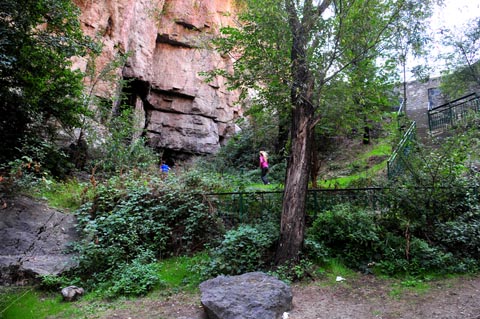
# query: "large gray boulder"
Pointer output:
{"type": "Point", "coordinates": [33, 240]}
{"type": "Point", "coordinates": [249, 296]}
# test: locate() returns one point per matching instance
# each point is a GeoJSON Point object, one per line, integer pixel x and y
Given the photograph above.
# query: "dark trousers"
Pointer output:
{"type": "Point", "coordinates": [264, 175]}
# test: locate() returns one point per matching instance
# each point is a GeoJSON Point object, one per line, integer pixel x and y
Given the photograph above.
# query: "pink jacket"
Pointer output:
{"type": "Point", "coordinates": [263, 162]}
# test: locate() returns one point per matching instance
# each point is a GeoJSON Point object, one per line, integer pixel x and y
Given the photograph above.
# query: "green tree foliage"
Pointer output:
{"type": "Point", "coordinates": [410, 38]}
{"type": "Point", "coordinates": [37, 85]}
{"type": "Point", "coordinates": [121, 150]}
{"type": "Point", "coordinates": [290, 51]}
{"type": "Point", "coordinates": [462, 60]}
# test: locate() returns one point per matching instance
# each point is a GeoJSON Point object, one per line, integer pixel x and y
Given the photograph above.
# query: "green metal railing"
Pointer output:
{"type": "Point", "coordinates": [447, 115]}
{"type": "Point", "coordinates": [398, 161]}
{"type": "Point", "coordinates": [245, 207]}
{"type": "Point", "coordinates": [235, 208]}
{"type": "Point", "coordinates": [255, 207]}
{"type": "Point", "coordinates": [402, 119]}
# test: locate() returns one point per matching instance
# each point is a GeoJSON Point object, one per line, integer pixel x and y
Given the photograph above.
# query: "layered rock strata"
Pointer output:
{"type": "Point", "coordinates": [168, 42]}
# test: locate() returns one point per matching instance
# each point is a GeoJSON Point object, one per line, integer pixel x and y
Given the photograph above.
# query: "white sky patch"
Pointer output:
{"type": "Point", "coordinates": [452, 15]}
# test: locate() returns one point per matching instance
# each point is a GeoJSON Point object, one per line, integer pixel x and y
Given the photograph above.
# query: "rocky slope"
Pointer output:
{"type": "Point", "coordinates": [168, 43]}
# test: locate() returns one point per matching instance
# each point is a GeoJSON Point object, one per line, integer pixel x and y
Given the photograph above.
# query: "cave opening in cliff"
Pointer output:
{"type": "Point", "coordinates": [134, 90]}
{"type": "Point", "coordinates": [135, 98]}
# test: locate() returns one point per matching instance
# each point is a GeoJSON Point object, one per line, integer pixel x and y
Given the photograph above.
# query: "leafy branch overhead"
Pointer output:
{"type": "Point", "coordinates": [37, 84]}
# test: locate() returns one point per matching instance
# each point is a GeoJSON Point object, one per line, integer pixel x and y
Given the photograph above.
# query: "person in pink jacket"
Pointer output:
{"type": "Point", "coordinates": [264, 166]}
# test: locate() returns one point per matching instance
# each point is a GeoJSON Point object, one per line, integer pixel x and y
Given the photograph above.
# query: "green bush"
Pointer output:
{"type": "Point", "coordinates": [351, 234]}
{"type": "Point", "coordinates": [202, 178]}
{"type": "Point", "coordinates": [40, 162]}
{"type": "Point", "coordinates": [132, 217]}
{"type": "Point", "coordinates": [53, 282]}
{"type": "Point", "coordinates": [316, 250]}
{"type": "Point", "coordinates": [417, 257]}
{"type": "Point", "coordinates": [433, 189]}
{"type": "Point", "coordinates": [432, 223]}
{"type": "Point", "coordinates": [294, 271]}
{"type": "Point", "coordinates": [131, 279]}
{"type": "Point", "coordinates": [461, 235]}
{"type": "Point", "coordinates": [247, 248]}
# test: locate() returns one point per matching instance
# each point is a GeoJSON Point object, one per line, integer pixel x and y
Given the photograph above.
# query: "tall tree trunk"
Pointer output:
{"type": "Point", "coordinates": [292, 229]}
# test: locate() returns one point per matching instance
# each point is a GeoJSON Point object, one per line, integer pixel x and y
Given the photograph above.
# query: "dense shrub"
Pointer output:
{"type": "Point", "coordinates": [432, 222]}
{"type": "Point", "coordinates": [434, 187]}
{"type": "Point", "coordinates": [131, 279]}
{"type": "Point", "coordinates": [461, 235]}
{"type": "Point", "coordinates": [141, 216]}
{"type": "Point", "coordinates": [202, 177]}
{"type": "Point", "coordinates": [246, 248]}
{"type": "Point", "coordinates": [39, 160]}
{"type": "Point", "coordinates": [384, 242]}
{"type": "Point", "coordinates": [351, 234]}
{"type": "Point", "coordinates": [294, 271]}
{"type": "Point", "coordinates": [414, 257]}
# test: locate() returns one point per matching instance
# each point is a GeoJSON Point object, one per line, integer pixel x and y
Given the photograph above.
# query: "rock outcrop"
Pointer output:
{"type": "Point", "coordinates": [248, 296]}
{"type": "Point", "coordinates": [33, 241]}
{"type": "Point", "coordinates": [168, 42]}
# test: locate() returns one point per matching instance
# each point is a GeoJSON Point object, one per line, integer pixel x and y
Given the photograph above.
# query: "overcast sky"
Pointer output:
{"type": "Point", "coordinates": [452, 15]}
{"type": "Point", "coordinates": [455, 13]}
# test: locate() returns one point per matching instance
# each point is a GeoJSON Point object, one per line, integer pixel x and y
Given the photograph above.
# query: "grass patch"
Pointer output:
{"type": "Point", "coordinates": [263, 188]}
{"type": "Point", "coordinates": [416, 286]}
{"type": "Point", "coordinates": [333, 269]}
{"type": "Point", "coordinates": [32, 304]}
{"type": "Point", "coordinates": [67, 196]}
{"type": "Point", "coordinates": [176, 273]}
{"type": "Point", "coordinates": [360, 168]}
{"type": "Point", "coordinates": [347, 181]}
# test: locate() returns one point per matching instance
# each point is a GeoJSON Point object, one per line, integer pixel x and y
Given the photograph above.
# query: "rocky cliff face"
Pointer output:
{"type": "Point", "coordinates": [168, 42]}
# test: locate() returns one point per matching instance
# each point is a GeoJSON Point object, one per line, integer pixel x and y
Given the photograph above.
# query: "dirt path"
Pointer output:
{"type": "Point", "coordinates": [368, 297]}
{"type": "Point", "coordinates": [364, 297]}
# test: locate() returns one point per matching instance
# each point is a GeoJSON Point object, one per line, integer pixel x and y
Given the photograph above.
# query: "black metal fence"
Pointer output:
{"type": "Point", "coordinates": [248, 207]}
{"type": "Point", "coordinates": [452, 113]}
{"type": "Point", "coordinates": [244, 207]}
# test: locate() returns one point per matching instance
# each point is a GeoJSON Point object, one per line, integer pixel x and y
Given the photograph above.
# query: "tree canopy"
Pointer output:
{"type": "Point", "coordinates": [37, 84]}
{"type": "Point", "coordinates": [292, 53]}
{"type": "Point", "coordinates": [462, 60]}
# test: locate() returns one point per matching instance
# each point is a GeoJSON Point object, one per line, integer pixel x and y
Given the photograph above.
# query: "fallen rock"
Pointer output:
{"type": "Point", "coordinates": [71, 293]}
{"type": "Point", "coordinates": [249, 296]}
